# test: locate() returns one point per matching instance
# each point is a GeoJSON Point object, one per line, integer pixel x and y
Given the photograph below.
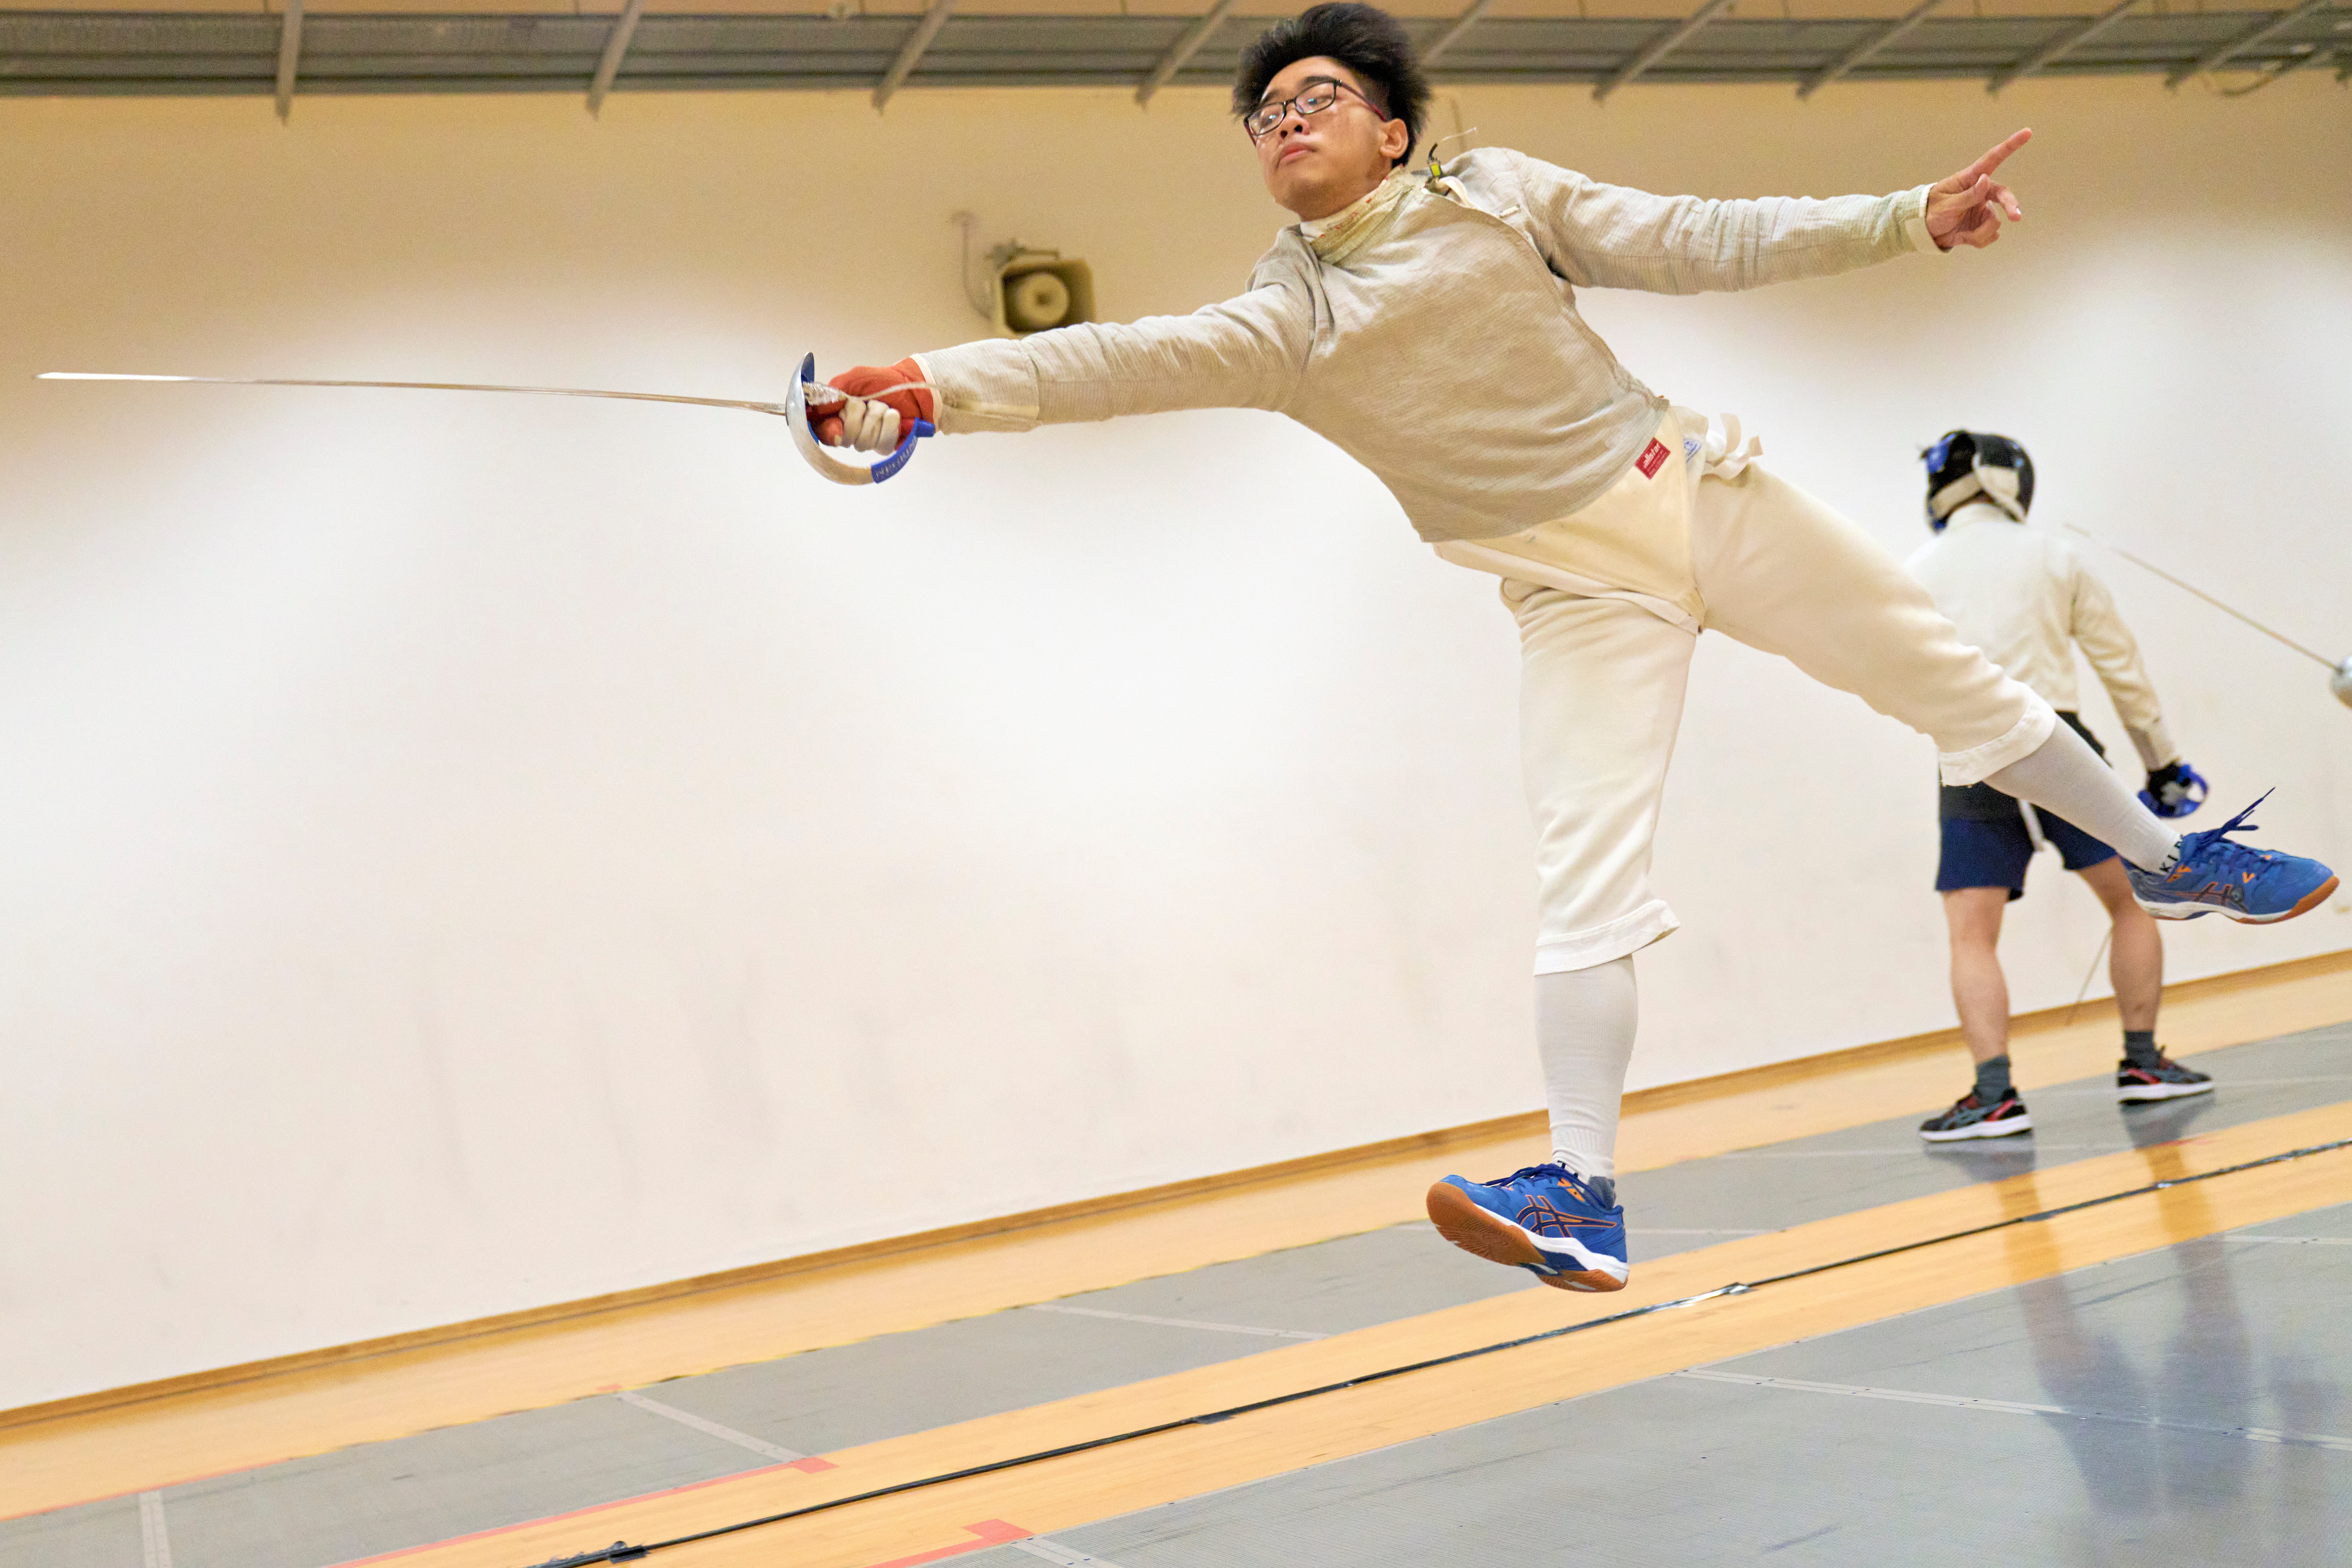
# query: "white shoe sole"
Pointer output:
{"type": "Point", "coordinates": [2187, 911]}
{"type": "Point", "coordinates": [2001, 1129]}
{"type": "Point", "coordinates": [1484, 1234]}
{"type": "Point", "coordinates": [2139, 1092]}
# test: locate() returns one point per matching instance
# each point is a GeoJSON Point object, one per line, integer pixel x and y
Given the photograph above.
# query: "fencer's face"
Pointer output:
{"type": "Point", "coordinates": [1315, 165]}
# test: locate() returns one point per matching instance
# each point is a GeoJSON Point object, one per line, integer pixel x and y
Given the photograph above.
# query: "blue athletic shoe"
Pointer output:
{"type": "Point", "coordinates": [1567, 1230]}
{"type": "Point", "coordinates": [2257, 886]}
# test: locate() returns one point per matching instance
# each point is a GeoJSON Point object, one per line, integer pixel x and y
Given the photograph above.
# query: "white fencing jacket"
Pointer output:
{"type": "Point", "coordinates": [2027, 599]}
{"type": "Point", "coordinates": [1431, 332]}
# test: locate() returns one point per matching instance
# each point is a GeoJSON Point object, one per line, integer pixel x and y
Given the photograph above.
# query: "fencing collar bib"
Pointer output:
{"type": "Point", "coordinates": [1345, 232]}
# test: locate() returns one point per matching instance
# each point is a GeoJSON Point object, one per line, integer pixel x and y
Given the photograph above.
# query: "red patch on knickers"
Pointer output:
{"type": "Point", "coordinates": [1653, 458]}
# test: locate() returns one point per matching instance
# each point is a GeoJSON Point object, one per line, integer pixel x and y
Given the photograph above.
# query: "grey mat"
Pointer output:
{"type": "Point", "coordinates": [824, 1400]}
{"type": "Point", "coordinates": [1682, 1471]}
{"type": "Point", "coordinates": [1857, 1168]}
{"type": "Point", "coordinates": [381, 1497]}
{"type": "Point", "coordinates": [384, 1495]}
{"type": "Point", "coordinates": [95, 1535]}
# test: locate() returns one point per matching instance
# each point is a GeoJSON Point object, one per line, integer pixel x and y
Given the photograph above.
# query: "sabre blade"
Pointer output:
{"type": "Point", "coordinates": [807, 393]}
{"type": "Point", "coordinates": [2192, 588]}
{"type": "Point", "coordinates": [435, 386]}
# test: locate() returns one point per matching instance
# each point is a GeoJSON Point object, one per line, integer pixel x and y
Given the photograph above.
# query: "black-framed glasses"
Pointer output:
{"type": "Point", "coordinates": [1319, 95]}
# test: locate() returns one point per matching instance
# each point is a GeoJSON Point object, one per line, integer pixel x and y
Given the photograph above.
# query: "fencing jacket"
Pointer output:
{"type": "Point", "coordinates": [2028, 600]}
{"type": "Point", "coordinates": [1431, 332]}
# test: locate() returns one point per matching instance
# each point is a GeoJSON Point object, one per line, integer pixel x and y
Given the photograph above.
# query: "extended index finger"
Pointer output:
{"type": "Point", "coordinates": [1994, 158]}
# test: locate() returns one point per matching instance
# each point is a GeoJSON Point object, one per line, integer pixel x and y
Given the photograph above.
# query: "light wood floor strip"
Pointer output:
{"type": "Point", "coordinates": [1061, 1494]}
{"type": "Point", "coordinates": [161, 1442]}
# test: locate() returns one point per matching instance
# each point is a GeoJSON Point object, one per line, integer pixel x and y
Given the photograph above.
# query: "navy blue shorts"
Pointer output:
{"type": "Point", "coordinates": [1995, 854]}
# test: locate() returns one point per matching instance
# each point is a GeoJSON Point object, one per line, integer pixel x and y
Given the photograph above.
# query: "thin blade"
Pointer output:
{"type": "Point", "coordinates": [816, 394]}
{"type": "Point", "coordinates": [2192, 588]}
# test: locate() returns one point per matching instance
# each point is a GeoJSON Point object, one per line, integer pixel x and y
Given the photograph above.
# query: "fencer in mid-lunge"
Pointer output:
{"type": "Point", "coordinates": [2029, 600]}
{"type": "Point", "coordinates": [1425, 321]}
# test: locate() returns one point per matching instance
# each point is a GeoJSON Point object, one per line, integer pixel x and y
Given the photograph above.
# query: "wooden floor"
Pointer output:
{"type": "Point", "coordinates": [57, 1456]}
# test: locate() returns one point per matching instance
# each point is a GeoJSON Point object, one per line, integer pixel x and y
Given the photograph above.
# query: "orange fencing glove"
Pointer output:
{"type": "Point", "coordinates": [881, 405]}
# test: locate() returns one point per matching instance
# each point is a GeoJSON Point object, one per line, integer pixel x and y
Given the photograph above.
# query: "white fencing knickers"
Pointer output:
{"type": "Point", "coordinates": [1707, 541]}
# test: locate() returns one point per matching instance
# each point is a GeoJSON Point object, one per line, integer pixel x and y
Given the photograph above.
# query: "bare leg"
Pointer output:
{"type": "Point", "coordinates": [2136, 963]}
{"type": "Point", "coordinates": [1978, 988]}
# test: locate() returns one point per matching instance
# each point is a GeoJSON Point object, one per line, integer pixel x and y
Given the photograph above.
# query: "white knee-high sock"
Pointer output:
{"type": "Point", "coordinates": [2067, 776]}
{"type": "Point", "coordinates": [1584, 1031]}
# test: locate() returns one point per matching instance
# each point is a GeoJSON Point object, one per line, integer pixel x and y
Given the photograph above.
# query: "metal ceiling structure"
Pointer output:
{"type": "Point", "coordinates": [79, 53]}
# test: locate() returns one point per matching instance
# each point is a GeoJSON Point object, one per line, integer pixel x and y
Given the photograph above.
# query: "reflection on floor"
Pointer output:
{"type": "Point", "coordinates": [2192, 1406]}
{"type": "Point", "coordinates": [2185, 1402]}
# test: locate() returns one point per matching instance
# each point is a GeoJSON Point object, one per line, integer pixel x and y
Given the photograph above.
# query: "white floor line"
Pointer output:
{"type": "Point", "coordinates": [2298, 1240]}
{"type": "Point", "coordinates": [2013, 1408]}
{"type": "Point", "coordinates": [153, 1537]}
{"type": "Point", "coordinates": [709, 1429]}
{"type": "Point", "coordinates": [1180, 1323]}
{"type": "Point", "coordinates": [2018, 1142]}
{"type": "Point", "coordinates": [1673, 1230]}
{"type": "Point", "coordinates": [1055, 1552]}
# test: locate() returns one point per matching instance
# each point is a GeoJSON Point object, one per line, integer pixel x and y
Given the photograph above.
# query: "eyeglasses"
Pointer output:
{"type": "Point", "coordinates": [1321, 95]}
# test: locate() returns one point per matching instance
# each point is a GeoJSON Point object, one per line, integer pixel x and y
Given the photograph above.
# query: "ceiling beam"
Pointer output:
{"type": "Point", "coordinates": [2221, 55]}
{"type": "Point", "coordinates": [1452, 35]}
{"type": "Point", "coordinates": [75, 53]}
{"type": "Point", "coordinates": [1660, 48]}
{"type": "Point", "coordinates": [1183, 51]}
{"type": "Point", "coordinates": [912, 50]}
{"type": "Point", "coordinates": [1867, 47]}
{"type": "Point", "coordinates": [289, 57]}
{"type": "Point", "coordinates": [616, 49]}
{"type": "Point", "coordinates": [2072, 39]}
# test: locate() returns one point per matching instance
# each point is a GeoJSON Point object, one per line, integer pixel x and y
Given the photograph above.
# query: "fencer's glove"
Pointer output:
{"type": "Point", "coordinates": [870, 423]}
{"type": "Point", "coordinates": [2173, 790]}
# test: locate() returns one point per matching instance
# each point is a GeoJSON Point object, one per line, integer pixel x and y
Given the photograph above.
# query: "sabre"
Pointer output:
{"type": "Point", "coordinates": [805, 392]}
{"type": "Point", "coordinates": [2339, 679]}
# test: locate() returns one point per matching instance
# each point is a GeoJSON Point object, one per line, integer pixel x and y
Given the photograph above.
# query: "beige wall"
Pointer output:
{"type": "Point", "coordinates": [464, 853]}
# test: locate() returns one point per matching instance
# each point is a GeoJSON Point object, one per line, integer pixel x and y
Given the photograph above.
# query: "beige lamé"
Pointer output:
{"type": "Point", "coordinates": [1379, 331]}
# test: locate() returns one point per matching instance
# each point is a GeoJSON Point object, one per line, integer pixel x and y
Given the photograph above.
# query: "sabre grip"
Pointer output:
{"type": "Point", "coordinates": [879, 409]}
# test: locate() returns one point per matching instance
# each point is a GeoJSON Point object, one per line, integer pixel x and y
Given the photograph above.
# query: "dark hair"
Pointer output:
{"type": "Point", "coordinates": [1367, 40]}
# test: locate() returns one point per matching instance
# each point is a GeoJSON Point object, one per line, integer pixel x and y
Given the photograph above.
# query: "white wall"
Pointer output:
{"type": "Point", "coordinates": [465, 854]}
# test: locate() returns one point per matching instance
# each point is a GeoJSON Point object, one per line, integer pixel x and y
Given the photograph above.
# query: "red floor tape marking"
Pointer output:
{"type": "Point", "coordinates": [992, 1532]}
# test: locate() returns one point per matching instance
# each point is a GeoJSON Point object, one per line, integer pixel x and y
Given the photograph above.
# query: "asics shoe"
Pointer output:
{"type": "Point", "coordinates": [1567, 1230]}
{"type": "Point", "coordinates": [1973, 1118]}
{"type": "Point", "coordinates": [2168, 1079]}
{"type": "Point", "coordinates": [2257, 886]}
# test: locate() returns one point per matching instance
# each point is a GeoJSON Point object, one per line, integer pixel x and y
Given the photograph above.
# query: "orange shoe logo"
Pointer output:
{"type": "Point", "coordinates": [1542, 1219]}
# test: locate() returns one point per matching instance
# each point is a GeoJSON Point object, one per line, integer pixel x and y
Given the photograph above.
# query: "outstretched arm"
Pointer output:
{"type": "Point", "coordinates": [1613, 237]}
{"type": "Point", "coordinates": [1246, 353]}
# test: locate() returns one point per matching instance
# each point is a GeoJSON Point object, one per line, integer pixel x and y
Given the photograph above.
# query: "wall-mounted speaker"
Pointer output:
{"type": "Point", "coordinates": [1034, 294]}
{"type": "Point", "coordinates": [1021, 289]}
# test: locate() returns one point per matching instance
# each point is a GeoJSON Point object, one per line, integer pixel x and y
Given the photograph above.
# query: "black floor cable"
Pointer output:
{"type": "Point", "coordinates": [622, 1552]}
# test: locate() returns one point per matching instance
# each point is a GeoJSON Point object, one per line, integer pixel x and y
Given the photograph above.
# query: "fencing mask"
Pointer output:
{"type": "Point", "coordinates": [1966, 465]}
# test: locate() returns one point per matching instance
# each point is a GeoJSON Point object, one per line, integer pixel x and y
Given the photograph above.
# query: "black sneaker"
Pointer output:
{"type": "Point", "coordinates": [1972, 1118]}
{"type": "Point", "coordinates": [2168, 1079]}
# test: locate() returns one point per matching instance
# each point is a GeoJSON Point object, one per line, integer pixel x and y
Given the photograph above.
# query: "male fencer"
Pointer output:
{"type": "Point", "coordinates": [1425, 321]}
{"type": "Point", "coordinates": [2027, 599]}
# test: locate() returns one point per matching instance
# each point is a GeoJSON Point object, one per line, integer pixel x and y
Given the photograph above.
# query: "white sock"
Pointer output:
{"type": "Point", "coordinates": [1584, 1032]}
{"type": "Point", "coordinates": [2067, 776]}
